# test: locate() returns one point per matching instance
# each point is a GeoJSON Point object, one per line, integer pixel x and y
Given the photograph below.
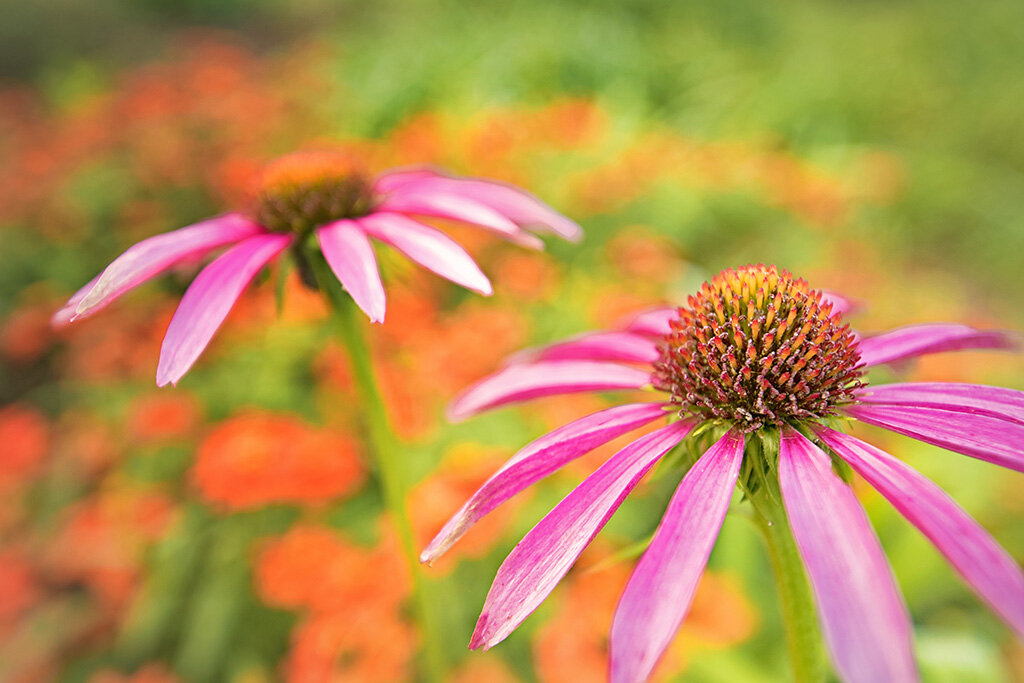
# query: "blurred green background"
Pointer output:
{"type": "Point", "coordinates": [873, 148]}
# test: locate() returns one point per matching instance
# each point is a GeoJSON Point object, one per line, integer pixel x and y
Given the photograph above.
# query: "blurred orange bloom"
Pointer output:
{"type": "Point", "coordinates": [257, 458]}
{"type": "Point", "coordinates": [163, 416]}
{"type": "Point", "coordinates": [25, 435]}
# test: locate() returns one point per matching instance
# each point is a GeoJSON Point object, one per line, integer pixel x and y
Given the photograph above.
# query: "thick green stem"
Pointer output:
{"type": "Point", "coordinates": [350, 323]}
{"type": "Point", "coordinates": [803, 639]}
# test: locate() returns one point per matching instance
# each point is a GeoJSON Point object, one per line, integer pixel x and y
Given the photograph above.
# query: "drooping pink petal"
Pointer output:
{"type": "Point", "coordinates": [67, 312]}
{"type": "Point", "coordinates": [539, 459]}
{"type": "Point", "coordinates": [403, 177]}
{"type": "Point", "coordinates": [840, 304]}
{"type": "Point", "coordinates": [546, 553]}
{"type": "Point", "coordinates": [428, 247]}
{"type": "Point", "coordinates": [654, 322]}
{"type": "Point", "coordinates": [987, 438]}
{"type": "Point", "coordinates": [153, 255]}
{"type": "Point", "coordinates": [350, 255]}
{"type": "Point", "coordinates": [512, 202]}
{"type": "Point", "coordinates": [1006, 404]}
{"type": "Point", "coordinates": [208, 300]}
{"type": "Point", "coordinates": [613, 346]}
{"type": "Point", "coordinates": [523, 382]}
{"type": "Point", "coordinates": [918, 340]}
{"type": "Point", "coordinates": [985, 565]}
{"type": "Point", "coordinates": [661, 589]}
{"type": "Point", "coordinates": [453, 207]}
{"type": "Point", "coordinates": [864, 619]}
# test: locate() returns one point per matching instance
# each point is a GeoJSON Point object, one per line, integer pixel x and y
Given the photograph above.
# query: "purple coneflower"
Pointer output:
{"type": "Point", "coordinates": [326, 194]}
{"type": "Point", "coordinates": [758, 365]}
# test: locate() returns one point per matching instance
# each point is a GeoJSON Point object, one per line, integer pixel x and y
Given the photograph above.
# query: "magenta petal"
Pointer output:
{"type": "Point", "coordinates": [612, 346]}
{"type": "Point", "coordinates": [862, 613]}
{"type": "Point", "coordinates": [539, 459]}
{"type": "Point", "coordinates": [403, 177]}
{"type": "Point", "coordinates": [917, 340]}
{"type": "Point", "coordinates": [512, 202]}
{"type": "Point", "coordinates": [987, 438]}
{"type": "Point", "coordinates": [546, 553]}
{"type": "Point", "coordinates": [208, 300]}
{"type": "Point", "coordinates": [661, 588]}
{"type": "Point", "coordinates": [454, 207]}
{"type": "Point", "coordinates": [840, 304]}
{"type": "Point", "coordinates": [969, 548]}
{"type": "Point", "coordinates": [350, 255]}
{"type": "Point", "coordinates": [523, 382]}
{"type": "Point", "coordinates": [153, 255]}
{"type": "Point", "coordinates": [654, 322]}
{"type": "Point", "coordinates": [428, 247]}
{"type": "Point", "coordinates": [67, 312]}
{"type": "Point", "coordinates": [1006, 404]}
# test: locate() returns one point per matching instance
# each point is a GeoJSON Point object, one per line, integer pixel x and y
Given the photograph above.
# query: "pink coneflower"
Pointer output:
{"type": "Point", "coordinates": [329, 195]}
{"type": "Point", "coordinates": [757, 365]}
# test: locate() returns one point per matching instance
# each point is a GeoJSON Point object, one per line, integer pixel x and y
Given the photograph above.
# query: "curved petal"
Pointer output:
{"type": "Point", "coordinates": [539, 459]}
{"type": "Point", "coordinates": [918, 340]}
{"type": "Point", "coordinates": [1006, 404]}
{"type": "Point", "coordinates": [350, 255]}
{"type": "Point", "coordinates": [453, 207]}
{"type": "Point", "coordinates": [398, 178]}
{"type": "Point", "coordinates": [153, 255]}
{"type": "Point", "coordinates": [208, 300]}
{"type": "Point", "coordinates": [612, 346]}
{"type": "Point", "coordinates": [862, 613]}
{"type": "Point", "coordinates": [840, 304]}
{"type": "Point", "coordinates": [67, 312]}
{"type": "Point", "coordinates": [428, 247]}
{"type": "Point", "coordinates": [654, 322]}
{"type": "Point", "coordinates": [546, 553]}
{"type": "Point", "coordinates": [983, 563]}
{"type": "Point", "coordinates": [661, 588]}
{"type": "Point", "coordinates": [979, 436]}
{"type": "Point", "coordinates": [516, 204]}
{"type": "Point", "coordinates": [522, 382]}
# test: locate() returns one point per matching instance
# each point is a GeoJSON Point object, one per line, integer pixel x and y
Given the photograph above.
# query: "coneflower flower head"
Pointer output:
{"type": "Point", "coordinates": [756, 346]}
{"type": "Point", "coordinates": [324, 201]}
{"type": "Point", "coordinates": [755, 372]}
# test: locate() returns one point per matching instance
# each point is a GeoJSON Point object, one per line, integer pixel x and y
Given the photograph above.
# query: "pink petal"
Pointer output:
{"type": "Point", "coordinates": [67, 313]}
{"type": "Point", "coordinates": [865, 622]}
{"type": "Point", "coordinates": [1006, 404]}
{"type": "Point", "coordinates": [453, 207]}
{"type": "Point", "coordinates": [350, 255]}
{"type": "Point", "coordinates": [523, 382]}
{"type": "Point", "coordinates": [153, 255]}
{"type": "Point", "coordinates": [398, 178]}
{"type": "Point", "coordinates": [979, 436]}
{"type": "Point", "coordinates": [546, 553]}
{"type": "Point", "coordinates": [428, 247]}
{"type": "Point", "coordinates": [512, 202]}
{"type": "Point", "coordinates": [539, 459]}
{"type": "Point", "coordinates": [614, 346]}
{"type": "Point", "coordinates": [661, 589]}
{"type": "Point", "coordinates": [840, 304]}
{"type": "Point", "coordinates": [917, 340]}
{"type": "Point", "coordinates": [654, 322]}
{"type": "Point", "coordinates": [969, 548]}
{"type": "Point", "coordinates": [208, 300]}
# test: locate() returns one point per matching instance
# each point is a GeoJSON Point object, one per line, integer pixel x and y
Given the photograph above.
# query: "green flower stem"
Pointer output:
{"type": "Point", "coordinates": [803, 638]}
{"type": "Point", "coordinates": [350, 325]}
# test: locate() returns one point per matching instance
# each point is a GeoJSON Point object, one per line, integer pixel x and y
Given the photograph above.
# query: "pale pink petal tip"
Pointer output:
{"type": "Point", "coordinates": [983, 563]}
{"type": "Point", "coordinates": [350, 255]}
{"type": "Point", "coordinates": [660, 591]}
{"type": "Point", "coordinates": [865, 622]}
{"type": "Point", "coordinates": [541, 559]}
{"type": "Point", "coordinates": [66, 314]}
{"type": "Point", "coordinates": [539, 459]}
{"type": "Point", "coordinates": [547, 378]}
{"type": "Point", "coordinates": [209, 299]}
